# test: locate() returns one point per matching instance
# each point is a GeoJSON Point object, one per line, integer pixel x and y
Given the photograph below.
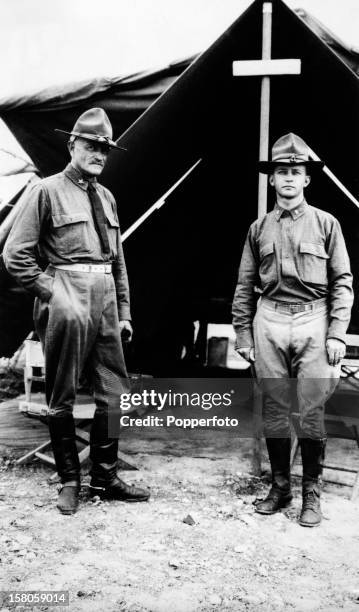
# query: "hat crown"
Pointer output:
{"type": "Point", "coordinates": [93, 122]}
{"type": "Point", "coordinates": [290, 148]}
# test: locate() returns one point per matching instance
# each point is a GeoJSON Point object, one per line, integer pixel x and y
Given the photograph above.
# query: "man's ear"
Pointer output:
{"type": "Point", "coordinates": [271, 180]}
{"type": "Point", "coordinates": [307, 180]}
{"type": "Point", "coordinates": [71, 144]}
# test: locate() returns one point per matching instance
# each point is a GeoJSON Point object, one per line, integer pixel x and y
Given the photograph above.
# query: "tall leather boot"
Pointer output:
{"type": "Point", "coordinates": [312, 459]}
{"type": "Point", "coordinates": [103, 451]}
{"type": "Point", "coordinates": [279, 495]}
{"type": "Point", "coordinates": [63, 440]}
{"type": "Point", "coordinates": [103, 454]}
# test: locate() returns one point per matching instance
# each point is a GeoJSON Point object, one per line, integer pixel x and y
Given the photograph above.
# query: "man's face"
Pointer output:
{"type": "Point", "coordinates": [289, 181]}
{"type": "Point", "coordinates": [88, 157]}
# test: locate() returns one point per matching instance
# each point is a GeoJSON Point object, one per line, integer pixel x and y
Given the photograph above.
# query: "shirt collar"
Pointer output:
{"type": "Point", "coordinates": [77, 178]}
{"type": "Point", "coordinates": [295, 213]}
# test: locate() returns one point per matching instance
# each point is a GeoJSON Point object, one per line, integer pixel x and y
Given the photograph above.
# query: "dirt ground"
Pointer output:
{"type": "Point", "coordinates": [119, 557]}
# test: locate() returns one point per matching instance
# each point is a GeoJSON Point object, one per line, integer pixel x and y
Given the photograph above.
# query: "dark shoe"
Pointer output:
{"type": "Point", "coordinates": [119, 490]}
{"type": "Point", "coordinates": [311, 515]}
{"type": "Point", "coordinates": [68, 499]}
{"type": "Point", "coordinates": [275, 500]}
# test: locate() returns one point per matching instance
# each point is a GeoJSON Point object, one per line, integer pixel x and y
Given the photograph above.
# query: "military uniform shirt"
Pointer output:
{"type": "Point", "coordinates": [57, 220]}
{"type": "Point", "coordinates": [294, 257]}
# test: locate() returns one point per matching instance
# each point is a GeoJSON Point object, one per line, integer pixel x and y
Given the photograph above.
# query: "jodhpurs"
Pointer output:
{"type": "Point", "coordinates": [292, 368]}
{"type": "Point", "coordinates": [80, 326]}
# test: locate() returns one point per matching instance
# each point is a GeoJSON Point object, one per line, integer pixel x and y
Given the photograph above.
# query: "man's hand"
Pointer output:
{"type": "Point", "coordinates": [336, 351]}
{"type": "Point", "coordinates": [126, 331]}
{"type": "Point", "coordinates": [247, 353]}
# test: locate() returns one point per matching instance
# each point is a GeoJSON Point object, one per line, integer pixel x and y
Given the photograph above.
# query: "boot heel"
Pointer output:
{"type": "Point", "coordinates": [275, 501]}
{"type": "Point", "coordinates": [68, 500]}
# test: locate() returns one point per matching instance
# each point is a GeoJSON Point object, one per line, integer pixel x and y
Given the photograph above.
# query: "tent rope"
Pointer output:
{"type": "Point", "coordinates": [335, 179]}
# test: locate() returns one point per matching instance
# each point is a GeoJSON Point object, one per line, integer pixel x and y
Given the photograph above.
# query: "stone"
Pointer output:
{"type": "Point", "coordinates": [189, 520]}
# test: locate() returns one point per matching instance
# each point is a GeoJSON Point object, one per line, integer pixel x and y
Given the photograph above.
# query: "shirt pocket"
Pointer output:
{"type": "Point", "coordinates": [71, 233]}
{"type": "Point", "coordinates": [267, 266]}
{"type": "Point", "coordinates": [113, 228]}
{"type": "Point", "coordinates": [313, 263]}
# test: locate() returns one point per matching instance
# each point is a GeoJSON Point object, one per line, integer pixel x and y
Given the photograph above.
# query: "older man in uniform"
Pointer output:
{"type": "Point", "coordinates": [296, 257]}
{"type": "Point", "coordinates": [82, 303]}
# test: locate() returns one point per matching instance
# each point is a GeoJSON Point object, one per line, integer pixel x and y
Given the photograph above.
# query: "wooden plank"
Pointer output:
{"type": "Point", "coordinates": [266, 67]}
{"type": "Point", "coordinates": [32, 453]}
{"type": "Point", "coordinates": [46, 459]}
{"type": "Point", "coordinates": [262, 208]}
{"type": "Point", "coordinates": [19, 433]}
{"type": "Point", "coordinates": [355, 490]}
{"type": "Point", "coordinates": [82, 435]}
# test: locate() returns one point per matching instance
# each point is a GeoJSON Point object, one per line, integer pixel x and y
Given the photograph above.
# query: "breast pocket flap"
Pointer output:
{"type": "Point", "coordinates": [266, 249]}
{"type": "Point", "coordinates": [314, 249]}
{"type": "Point", "coordinates": [61, 220]}
{"type": "Point", "coordinates": [111, 219]}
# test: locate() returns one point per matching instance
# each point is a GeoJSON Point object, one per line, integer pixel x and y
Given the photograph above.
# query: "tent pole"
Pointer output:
{"type": "Point", "coordinates": [265, 104]}
{"type": "Point", "coordinates": [262, 207]}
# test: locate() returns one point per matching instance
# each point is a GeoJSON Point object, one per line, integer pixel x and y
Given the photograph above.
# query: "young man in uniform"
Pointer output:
{"type": "Point", "coordinates": [296, 257]}
{"type": "Point", "coordinates": [82, 303]}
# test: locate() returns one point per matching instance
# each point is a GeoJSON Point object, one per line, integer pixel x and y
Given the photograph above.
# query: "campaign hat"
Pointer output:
{"type": "Point", "coordinates": [94, 125]}
{"type": "Point", "coordinates": [290, 150]}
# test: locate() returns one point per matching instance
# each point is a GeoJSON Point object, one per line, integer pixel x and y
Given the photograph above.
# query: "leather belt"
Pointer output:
{"type": "Point", "coordinates": [105, 268]}
{"type": "Point", "coordinates": [289, 308]}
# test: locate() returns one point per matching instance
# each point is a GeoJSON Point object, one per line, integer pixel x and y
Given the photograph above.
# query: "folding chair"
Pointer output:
{"type": "Point", "coordinates": [35, 371]}
{"type": "Point", "coordinates": [83, 412]}
{"type": "Point", "coordinates": [342, 409]}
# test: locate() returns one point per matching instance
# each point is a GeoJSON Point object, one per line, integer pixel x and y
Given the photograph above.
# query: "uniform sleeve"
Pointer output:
{"type": "Point", "coordinates": [340, 284]}
{"type": "Point", "coordinates": [244, 301]}
{"type": "Point", "coordinates": [21, 245]}
{"type": "Point", "coordinates": [120, 276]}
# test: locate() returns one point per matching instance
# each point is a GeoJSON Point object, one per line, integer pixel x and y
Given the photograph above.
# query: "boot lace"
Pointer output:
{"type": "Point", "coordinates": [310, 500]}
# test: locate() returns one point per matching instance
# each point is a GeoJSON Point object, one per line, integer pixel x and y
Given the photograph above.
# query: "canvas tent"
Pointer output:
{"type": "Point", "coordinates": [183, 261]}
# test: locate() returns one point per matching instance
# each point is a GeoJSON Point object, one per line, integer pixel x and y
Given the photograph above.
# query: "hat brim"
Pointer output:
{"type": "Point", "coordinates": [93, 137]}
{"type": "Point", "coordinates": [267, 167]}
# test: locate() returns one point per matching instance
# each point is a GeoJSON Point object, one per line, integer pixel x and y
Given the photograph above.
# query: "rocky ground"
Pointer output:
{"type": "Point", "coordinates": [195, 546]}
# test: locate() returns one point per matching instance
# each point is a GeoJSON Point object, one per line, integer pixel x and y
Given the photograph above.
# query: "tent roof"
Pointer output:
{"type": "Point", "coordinates": [32, 118]}
{"type": "Point", "coordinates": [348, 55]}
{"type": "Point", "coordinates": [189, 253]}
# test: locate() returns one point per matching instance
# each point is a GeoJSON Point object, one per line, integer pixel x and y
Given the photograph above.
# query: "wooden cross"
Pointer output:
{"type": "Point", "coordinates": [266, 67]}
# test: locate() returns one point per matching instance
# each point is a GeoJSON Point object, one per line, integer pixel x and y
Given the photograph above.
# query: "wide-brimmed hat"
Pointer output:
{"type": "Point", "coordinates": [94, 124]}
{"type": "Point", "coordinates": [289, 150]}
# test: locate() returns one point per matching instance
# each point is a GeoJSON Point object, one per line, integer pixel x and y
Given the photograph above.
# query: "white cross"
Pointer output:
{"type": "Point", "coordinates": [265, 67]}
